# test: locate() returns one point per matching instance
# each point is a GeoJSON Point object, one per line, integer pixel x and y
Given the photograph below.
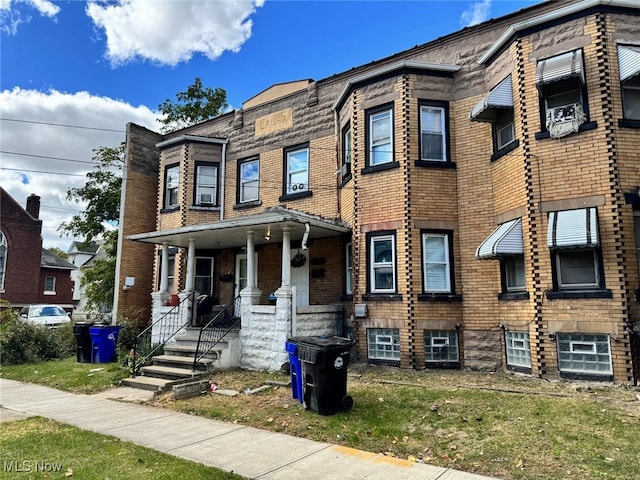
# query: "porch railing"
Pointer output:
{"type": "Point", "coordinates": [147, 344]}
{"type": "Point", "coordinates": [216, 329]}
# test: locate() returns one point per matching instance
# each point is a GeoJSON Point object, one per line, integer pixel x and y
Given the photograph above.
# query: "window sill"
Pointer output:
{"type": "Point", "coordinates": [435, 164]}
{"type": "Point", "coordinates": [173, 208]}
{"type": "Point", "coordinates": [204, 208]}
{"type": "Point", "coordinates": [583, 128]}
{"type": "Point", "coordinates": [48, 293]}
{"type": "Point", "coordinates": [571, 294]}
{"type": "Point", "coordinates": [628, 123]}
{"type": "Point", "coordinates": [254, 203]}
{"type": "Point", "coordinates": [345, 180]}
{"type": "Point", "coordinates": [507, 296]}
{"type": "Point", "coordinates": [380, 168]}
{"type": "Point", "coordinates": [503, 151]}
{"type": "Point", "coordinates": [295, 196]}
{"type": "Point", "coordinates": [439, 297]}
{"type": "Point", "coordinates": [382, 297]}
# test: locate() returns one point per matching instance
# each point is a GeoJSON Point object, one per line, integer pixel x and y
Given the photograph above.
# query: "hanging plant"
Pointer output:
{"type": "Point", "coordinates": [298, 260]}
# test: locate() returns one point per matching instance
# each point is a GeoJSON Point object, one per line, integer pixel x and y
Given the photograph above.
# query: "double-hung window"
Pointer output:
{"type": "Point", "coordinates": [504, 133]}
{"type": "Point", "coordinates": [436, 262]}
{"type": "Point", "coordinates": [513, 273]}
{"type": "Point", "coordinates": [380, 136]}
{"type": "Point", "coordinates": [297, 170]}
{"type": "Point", "coordinates": [204, 275]}
{"type": "Point", "coordinates": [249, 181]}
{"type": "Point", "coordinates": [349, 269]}
{"type": "Point", "coordinates": [346, 152]}
{"type": "Point", "coordinates": [206, 184]}
{"type": "Point", "coordinates": [629, 63]}
{"type": "Point", "coordinates": [171, 184]}
{"type": "Point", "coordinates": [49, 285]}
{"type": "Point", "coordinates": [433, 133]}
{"type": "Point", "coordinates": [382, 266]}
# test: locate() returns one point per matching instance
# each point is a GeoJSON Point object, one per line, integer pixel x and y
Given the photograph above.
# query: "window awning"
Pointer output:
{"type": "Point", "coordinates": [629, 61]}
{"type": "Point", "coordinates": [501, 96]}
{"type": "Point", "coordinates": [573, 228]}
{"type": "Point", "coordinates": [559, 68]}
{"type": "Point", "coordinates": [504, 241]}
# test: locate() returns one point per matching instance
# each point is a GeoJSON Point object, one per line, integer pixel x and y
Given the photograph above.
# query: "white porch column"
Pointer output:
{"type": "Point", "coordinates": [191, 266]}
{"type": "Point", "coordinates": [164, 268]}
{"type": "Point", "coordinates": [286, 257]}
{"type": "Point", "coordinates": [251, 268]}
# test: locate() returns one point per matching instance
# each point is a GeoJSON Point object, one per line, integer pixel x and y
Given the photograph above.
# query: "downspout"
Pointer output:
{"type": "Point", "coordinates": [336, 135]}
{"type": "Point", "coordinates": [222, 179]}
{"type": "Point", "coordinates": [305, 237]}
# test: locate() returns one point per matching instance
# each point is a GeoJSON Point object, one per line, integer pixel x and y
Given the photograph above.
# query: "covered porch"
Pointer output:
{"type": "Point", "coordinates": [267, 318]}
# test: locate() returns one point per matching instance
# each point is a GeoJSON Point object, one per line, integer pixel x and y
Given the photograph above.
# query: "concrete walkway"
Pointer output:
{"type": "Point", "coordinates": [247, 451]}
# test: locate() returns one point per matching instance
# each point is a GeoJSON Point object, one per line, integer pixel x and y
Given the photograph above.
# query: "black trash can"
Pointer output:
{"type": "Point", "coordinates": [325, 361]}
{"type": "Point", "coordinates": [83, 341]}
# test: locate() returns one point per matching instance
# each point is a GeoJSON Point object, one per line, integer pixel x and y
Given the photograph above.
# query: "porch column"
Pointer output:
{"type": "Point", "coordinates": [164, 268]}
{"type": "Point", "coordinates": [191, 266]}
{"type": "Point", "coordinates": [286, 256]}
{"type": "Point", "coordinates": [251, 280]}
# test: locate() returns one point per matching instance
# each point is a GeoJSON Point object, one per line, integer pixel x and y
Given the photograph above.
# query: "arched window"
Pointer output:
{"type": "Point", "coordinates": [3, 258]}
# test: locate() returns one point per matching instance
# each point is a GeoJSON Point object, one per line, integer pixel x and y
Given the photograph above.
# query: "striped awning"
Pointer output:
{"type": "Point", "coordinates": [501, 96]}
{"type": "Point", "coordinates": [629, 61]}
{"type": "Point", "coordinates": [573, 228]}
{"type": "Point", "coordinates": [504, 241]}
{"type": "Point", "coordinates": [560, 67]}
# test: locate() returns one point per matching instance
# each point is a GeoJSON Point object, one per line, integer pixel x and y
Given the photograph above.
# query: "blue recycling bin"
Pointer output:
{"type": "Point", "coordinates": [104, 339]}
{"type": "Point", "coordinates": [296, 370]}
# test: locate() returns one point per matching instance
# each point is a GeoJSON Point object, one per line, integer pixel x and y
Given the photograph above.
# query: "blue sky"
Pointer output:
{"type": "Point", "coordinates": [99, 65]}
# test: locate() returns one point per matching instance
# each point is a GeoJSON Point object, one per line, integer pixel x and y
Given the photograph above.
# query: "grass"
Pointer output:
{"type": "Point", "coordinates": [37, 448]}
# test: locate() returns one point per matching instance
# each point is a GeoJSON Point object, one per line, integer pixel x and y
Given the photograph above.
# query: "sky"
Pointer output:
{"type": "Point", "coordinates": [74, 73]}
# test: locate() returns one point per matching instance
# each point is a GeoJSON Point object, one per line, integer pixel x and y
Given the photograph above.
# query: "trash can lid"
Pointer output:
{"type": "Point", "coordinates": [324, 342]}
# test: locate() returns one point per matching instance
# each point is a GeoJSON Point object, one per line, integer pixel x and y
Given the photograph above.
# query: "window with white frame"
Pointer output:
{"type": "Point", "coordinates": [504, 132]}
{"type": "Point", "coordinates": [436, 262]}
{"type": "Point", "coordinates": [441, 346]}
{"type": "Point", "coordinates": [297, 170]}
{"type": "Point", "coordinates": [383, 344]}
{"type": "Point", "coordinates": [380, 136]}
{"type": "Point", "coordinates": [249, 181]}
{"type": "Point", "coordinates": [3, 259]}
{"type": "Point", "coordinates": [577, 269]}
{"type": "Point", "coordinates": [513, 273]}
{"type": "Point", "coordinates": [171, 184]}
{"type": "Point", "coordinates": [584, 354]}
{"type": "Point", "coordinates": [49, 284]}
{"type": "Point", "coordinates": [518, 349]}
{"type": "Point", "coordinates": [346, 151]}
{"type": "Point", "coordinates": [204, 275]}
{"type": "Point", "coordinates": [171, 274]}
{"type": "Point", "coordinates": [433, 142]}
{"type": "Point", "coordinates": [349, 269]}
{"type": "Point", "coordinates": [206, 184]}
{"type": "Point", "coordinates": [382, 267]}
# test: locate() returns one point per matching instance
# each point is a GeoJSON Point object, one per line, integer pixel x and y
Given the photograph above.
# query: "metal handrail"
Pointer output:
{"type": "Point", "coordinates": [216, 329]}
{"type": "Point", "coordinates": [138, 362]}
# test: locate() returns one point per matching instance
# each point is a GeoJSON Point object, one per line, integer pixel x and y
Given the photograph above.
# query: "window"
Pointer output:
{"type": "Point", "coordinates": [382, 272]}
{"type": "Point", "coordinates": [518, 350]}
{"type": "Point", "coordinates": [513, 273]}
{"type": "Point", "coordinates": [49, 284]}
{"type": "Point", "coordinates": [206, 184]}
{"type": "Point", "coordinates": [629, 63]}
{"type": "Point", "coordinates": [171, 183]}
{"type": "Point", "coordinates": [171, 274]}
{"type": "Point", "coordinates": [249, 181]}
{"type": "Point", "coordinates": [631, 98]}
{"type": "Point", "coordinates": [577, 269]}
{"type": "Point", "coordinates": [204, 275]}
{"type": "Point", "coordinates": [383, 344]}
{"type": "Point", "coordinates": [584, 354]}
{"type": "Point", "coordinates": [349, 269]}
{"type": "Point", "coordinates": [346, 151]}
{"type": "Point", "coordinates": [433, 144]}
{"type": "Point", "coordinates": [3, 259]}
{"type": "Point", "coordinates": [436, 262]}
{"type": "Point", "coordinates": [380, 136]}
{"type": "Point", "coordinates": [636, 227]}
{"type": "Point", "coordinates": [504, 131]}
{"type": "Point", "coordinates": [441, 348]}
{"type": "Point", "coordinates": [297, 170]}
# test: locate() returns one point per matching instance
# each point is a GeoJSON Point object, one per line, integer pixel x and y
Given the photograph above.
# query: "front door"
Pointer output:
{"type": "Point", "coordinates": [300, 276]}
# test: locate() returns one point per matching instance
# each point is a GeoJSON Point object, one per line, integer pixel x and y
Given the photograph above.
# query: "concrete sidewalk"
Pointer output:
{"type": "Point", "coordinates": [247, 451]}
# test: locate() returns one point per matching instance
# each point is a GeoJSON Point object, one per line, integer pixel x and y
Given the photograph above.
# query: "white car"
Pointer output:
{"type": "Point", "coordinates": [48, 315]}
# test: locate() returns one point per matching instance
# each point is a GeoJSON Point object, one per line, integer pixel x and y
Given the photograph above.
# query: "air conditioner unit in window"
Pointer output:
{"type": "Point", "coordinates": [205, 199]}
{"type": "Point", "coordinates": [565, 113]}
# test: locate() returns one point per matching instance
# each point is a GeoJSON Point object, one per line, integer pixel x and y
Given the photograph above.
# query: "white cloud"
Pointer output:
{"type": "Point", "coordinates": [477, 12]}
{"type": "Point", "coordinates": [15, 12]}
{"type": "Point", "coordinates": [171, 32]}
{"type": "Point", "coordinates": [36, 135]}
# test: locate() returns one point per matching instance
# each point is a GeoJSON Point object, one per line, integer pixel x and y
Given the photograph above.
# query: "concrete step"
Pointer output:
{"type": "Point", "coordinates": [148, 383]}
{"type": "Point", "coordinates": [179, 350]}
{"type": "Point", "coordinates": [180, 361]}
{"type": "Point", "coordinates": [169, 373]}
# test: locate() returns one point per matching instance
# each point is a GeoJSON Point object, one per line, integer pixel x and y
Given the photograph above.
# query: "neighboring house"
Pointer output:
{"type": "Point", "coordinates": [29, 274]}
{"type": "Point", "coordinates": [472, 202]}
{"type": "Point", "coordinates": [82, 255]}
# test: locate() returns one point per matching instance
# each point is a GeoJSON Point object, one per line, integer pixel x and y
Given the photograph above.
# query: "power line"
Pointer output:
{"type": "Point", "coordinates": [47, 157]}
{"type": "Point", "coordinates": [42, 171]}
{"type": "Point", "coordinates": [61, 125]}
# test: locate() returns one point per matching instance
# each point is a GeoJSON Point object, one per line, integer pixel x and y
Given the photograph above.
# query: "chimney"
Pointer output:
{"type": "Point", "coordinates": [33, 205]}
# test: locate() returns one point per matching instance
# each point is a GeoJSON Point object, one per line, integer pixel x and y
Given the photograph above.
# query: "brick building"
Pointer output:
{"type": "Point", "coordinates": [29, 274]}
{"type": "Point", "coordinates": [472, 202]}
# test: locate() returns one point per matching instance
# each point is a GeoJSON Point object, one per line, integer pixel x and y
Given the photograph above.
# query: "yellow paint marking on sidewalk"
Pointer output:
{"type": "Point", "coordinates": [352, 452]}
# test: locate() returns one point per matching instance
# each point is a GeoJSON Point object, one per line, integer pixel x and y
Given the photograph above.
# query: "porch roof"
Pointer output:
{"type": "Point", "coordinates": [231, 233]}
